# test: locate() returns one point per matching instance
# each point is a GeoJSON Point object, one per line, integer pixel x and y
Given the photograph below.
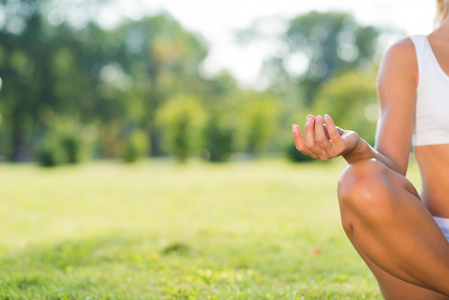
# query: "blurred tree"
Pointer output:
{"type": "Point", "coordinates": [49, 153]}
{"type": "Point", "coordinates": [220, 128]}
{"type": "Point", "coordinates": [181, 120]}
{"type": "Point", "coordinates": [162, 60]}
{"type": "Point", "coordinates": [258, 121]}
{"type": "Point", "coordinates": [62, 143]}
{"type": "Point", "coordinates": [218, 136]}
{"type": "Point", "coordinates": [55, 59]}
{"type": "Point", "coordinates": [135, 146]}
{"type": "Point", "coordinates": [119, 84]}
{"type": "Point", "coordinates": [319, 44]}
{"type": "Point", "coordinates": [25, 79]}
{"type": "Point", "coordinates": [43, 71]}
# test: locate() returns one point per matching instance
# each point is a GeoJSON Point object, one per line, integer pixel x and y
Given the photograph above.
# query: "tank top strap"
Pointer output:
{"type": "Point", "coordinates": [425, 58]}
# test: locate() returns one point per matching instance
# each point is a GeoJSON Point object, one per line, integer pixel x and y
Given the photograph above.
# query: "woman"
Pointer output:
{"type": "Point", "coordinates": [399, 233]}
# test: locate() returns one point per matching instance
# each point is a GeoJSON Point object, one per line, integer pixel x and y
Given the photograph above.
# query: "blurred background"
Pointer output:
{"type": "Point", "coordinates": [109, 82]}
{"type": "Point", "coordinates": [116, 79]}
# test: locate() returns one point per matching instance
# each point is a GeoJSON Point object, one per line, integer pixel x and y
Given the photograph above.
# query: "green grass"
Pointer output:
{"type": "Point", "coordinates": [253, 230]}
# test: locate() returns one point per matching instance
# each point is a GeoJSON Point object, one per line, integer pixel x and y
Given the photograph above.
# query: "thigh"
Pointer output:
{"type": "Point", "coordinates": [393, 232]}
{"type": "Point", "coordinates": [393, 288]}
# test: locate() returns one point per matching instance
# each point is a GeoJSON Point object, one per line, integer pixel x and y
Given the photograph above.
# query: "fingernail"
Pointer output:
{"type": "Point", "coordinates": [295, 127]}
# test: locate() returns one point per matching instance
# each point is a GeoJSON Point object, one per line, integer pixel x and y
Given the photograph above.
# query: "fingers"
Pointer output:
{"type": "Point", "coordinates": [299, 141]}
{"type": "Point", "coordinates": [321, 137]}
{"type": "Point", "coordinates": [320, 140]}
{"type": "Point", "coordinates": [309, 137]}
{"type": "Point", "coordinates": [297, 137]}
{"type": "Point", "coordinates": [311, 116]}
{"type": "Point", "coordinates": [333, 131]}
{"type": "Point", "coordinates": [321, 146]}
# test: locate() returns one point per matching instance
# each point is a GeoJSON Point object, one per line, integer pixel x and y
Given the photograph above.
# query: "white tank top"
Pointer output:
{"type": "Point", "coordinates": [432, 103]}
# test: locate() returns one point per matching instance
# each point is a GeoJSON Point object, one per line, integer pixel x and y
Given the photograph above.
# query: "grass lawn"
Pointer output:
{"type": "Point", "coordinates": [247, 230]}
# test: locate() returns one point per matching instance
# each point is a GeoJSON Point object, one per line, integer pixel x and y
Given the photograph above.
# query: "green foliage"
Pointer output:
{"type": "Point", "coordinates": [104, 76]}
{"type": "Point", "coordinates": [72, 145]}
{"type": "Point", "coordinates": [181, 120]}
{"type": "Point", "coordinates": [222, 108]}
{"type": "Point", "coordinates": [135, 147]}
{"type": "Point", "coordinates": [125, 77]}
{"type": "Point", "coordinates": [333, 41]}
{"type": "Point", "coordinates": [322, 44]}
{"type": "Point", "coordinates": [218, 137]}
{"type": "Point", "coordinates": [58, 149]}
{"type": "Point", "coordinates": [351, 100]}
{"type": "Point", "coordinates": [162, 60]}
{"type": "Point", "coordinates": [62, 143]}
{"type": "Point", "coordinates": [50, 153]}
{"type": "Point", "coordinates": [258, 121]}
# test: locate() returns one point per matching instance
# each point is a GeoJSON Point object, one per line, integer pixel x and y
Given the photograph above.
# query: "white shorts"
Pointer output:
{"type": "Point", "coordinates": [444, 225]}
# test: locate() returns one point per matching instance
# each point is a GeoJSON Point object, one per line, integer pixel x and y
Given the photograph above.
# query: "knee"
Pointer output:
{"type": "Point", "coordinates": [363, 185]}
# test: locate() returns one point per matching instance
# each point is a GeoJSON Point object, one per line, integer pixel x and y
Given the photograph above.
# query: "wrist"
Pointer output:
{"type": "Point", "coordinates": [357, 152]}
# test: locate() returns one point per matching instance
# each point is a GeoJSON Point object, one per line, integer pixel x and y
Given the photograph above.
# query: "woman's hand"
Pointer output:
{"type": "Point", "coordinates": [323, 140]}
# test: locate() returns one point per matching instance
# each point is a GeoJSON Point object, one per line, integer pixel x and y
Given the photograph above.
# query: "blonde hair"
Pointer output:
{"type": "Point", "coordinates": [442, 11]}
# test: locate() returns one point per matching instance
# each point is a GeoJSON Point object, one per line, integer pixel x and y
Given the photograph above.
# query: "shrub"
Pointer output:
{"type": "Point", "coordinates": [218, 137]}
{"type": "Point", "coordinates": [181, 120]}
{"type": "Point", "coordinates": [72, 146]}
{"type": "Point", "coordinates": [135, 147]}
{"type": "Point", "coordinates": [50, 153]}
{"type": "Point", "coordinates": [62, 143]}
{"type": "Point", "coordinates": [258, 121]}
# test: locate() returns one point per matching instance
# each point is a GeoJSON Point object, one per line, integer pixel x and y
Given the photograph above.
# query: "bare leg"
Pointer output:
{"type": "Point", "coordinates": [394, 233]}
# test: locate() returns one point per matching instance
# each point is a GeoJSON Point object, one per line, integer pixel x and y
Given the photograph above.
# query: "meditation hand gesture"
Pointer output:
{"type": "Point", "coordinates": [323, 140]}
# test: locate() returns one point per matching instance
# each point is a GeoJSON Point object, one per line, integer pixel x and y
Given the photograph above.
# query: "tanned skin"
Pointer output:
{"type": "Point", "coordinates": [389, 223]}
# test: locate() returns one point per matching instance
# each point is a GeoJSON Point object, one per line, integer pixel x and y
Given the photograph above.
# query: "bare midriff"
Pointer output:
{"type": "Point", "coordinates": [433, 161]}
